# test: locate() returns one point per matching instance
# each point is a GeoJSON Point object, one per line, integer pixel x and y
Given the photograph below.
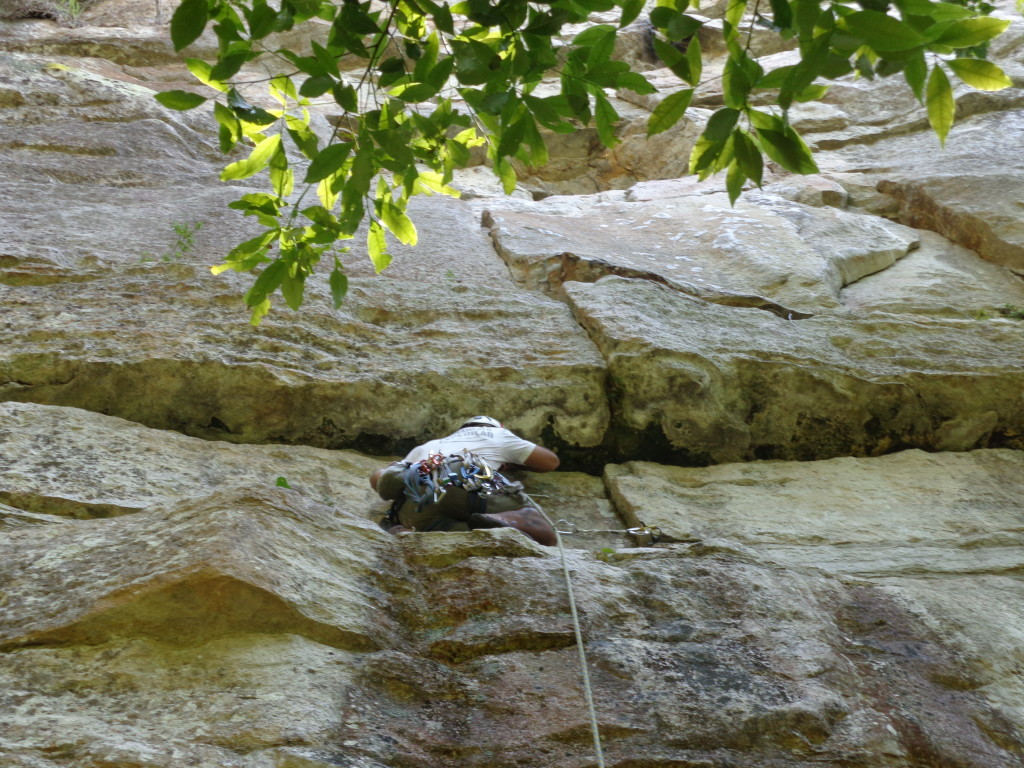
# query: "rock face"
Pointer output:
{"type": "Point", "coordinates": [729, 384]}
{"type": "Point", "coordinates": [815, 397]}
{"type": "Point", "coordinates": [241, 624]}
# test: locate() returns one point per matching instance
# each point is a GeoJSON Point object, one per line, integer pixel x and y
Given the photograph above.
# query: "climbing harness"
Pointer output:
{"type": "Point", "coordinates": [428, 481]}
{"type": "Point", "coordinates": [645, 534]}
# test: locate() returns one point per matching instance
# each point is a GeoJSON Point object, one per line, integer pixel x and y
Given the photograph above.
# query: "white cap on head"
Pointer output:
{"type": "Point", "coordinates": [484, 421]}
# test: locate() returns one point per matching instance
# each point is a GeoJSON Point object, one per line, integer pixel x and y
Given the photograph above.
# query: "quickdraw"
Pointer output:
{"type": "Point", "coordinates": [645, 534]}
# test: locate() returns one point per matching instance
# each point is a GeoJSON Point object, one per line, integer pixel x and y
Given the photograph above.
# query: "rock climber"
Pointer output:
{"type": "Point", "coordinates": [455, 483]}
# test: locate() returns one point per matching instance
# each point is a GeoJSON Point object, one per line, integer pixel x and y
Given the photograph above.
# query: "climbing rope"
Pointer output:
{"type": "Point", "coordinates": [588, 693]}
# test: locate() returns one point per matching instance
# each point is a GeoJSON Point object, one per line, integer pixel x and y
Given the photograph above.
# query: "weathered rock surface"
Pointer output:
{"type": "Point", "coordinates": [761, 251]}
{"type": "Point", "coordinates": [177, 355]}
{"type": "Point", "coordinates": [78, 464]}
{"type": "Point", "coordinates": [718, 384]}
{"type": "Point", "coordinates": [940, 533]}
{"type": "Point", "coordinates": [262, 627]}
{"type": "Point", "coordinates": [164, 604]}
{"type": "Point", "coordinates": [938, 278]}
{"type": "Point", "coordinates": [967, 191]}
{"type": "Point", "coordinates": [187, 361]}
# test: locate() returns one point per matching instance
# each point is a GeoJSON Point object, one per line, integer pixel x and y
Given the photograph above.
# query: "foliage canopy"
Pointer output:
{"type": "Point", "coordinates": [433, 80]}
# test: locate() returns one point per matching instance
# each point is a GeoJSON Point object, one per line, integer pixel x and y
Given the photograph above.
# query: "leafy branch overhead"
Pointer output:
{"type": "Point", "coordinates": [418, 84]}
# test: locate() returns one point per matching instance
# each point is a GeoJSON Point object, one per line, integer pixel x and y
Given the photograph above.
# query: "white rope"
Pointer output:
{"type": "Point", "coordinates": [588, 694]}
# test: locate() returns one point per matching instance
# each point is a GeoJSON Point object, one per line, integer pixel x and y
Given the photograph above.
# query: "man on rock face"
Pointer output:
{"type": "Point", "coordinates": [454, 483]}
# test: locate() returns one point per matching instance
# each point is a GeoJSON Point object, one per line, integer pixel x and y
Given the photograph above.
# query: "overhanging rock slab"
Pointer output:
{"type": "Point", "coordinates": [712, 384]}
{"type": "Point", "coordinates": [765, 250]}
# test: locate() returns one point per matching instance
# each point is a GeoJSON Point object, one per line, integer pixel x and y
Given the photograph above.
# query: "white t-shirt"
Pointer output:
{"type": "Point", "coordinates": [494, 445]}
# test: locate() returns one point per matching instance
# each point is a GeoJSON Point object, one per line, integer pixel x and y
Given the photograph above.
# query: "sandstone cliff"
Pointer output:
{"type": "Point", "coordinates": [813, 394]}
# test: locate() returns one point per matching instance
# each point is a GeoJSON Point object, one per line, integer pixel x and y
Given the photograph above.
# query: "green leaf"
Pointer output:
{"type": "Point", "coordinates": [704, 155]}
{"type": "Point", "coordinates": [764, 120]}
{"type": "Point", "coordinates": [811, 93]}
{"type": "Point", "coordinates": [980, 74]}
{"type": "Point", "coordinates": [282, 178]}
{"type": "Point", "coordinates": [262, 19]}
{"type": "Point", "coordinates": [443, 19]}
{"type": "Point", "coordinates": [339, 284]}
{"type": "Point", "coordinates": [259, 310]}
{"type": "Point", "coordinates": [734, 181]}
{"type": "Point", "coordinates": [401, 226]}
{"type": "Point", "coordinates": [256, 162]}
{"type": "Point", "coordinates": [695, 60]}
{"type": "Point", "coordinates": [229, 65]}
{"type": "Point", "coordinates": [948, 12]}
{"type": "Point", "coordinates": [601, 52]}
{"type": "Point", "coordinates": [414, 92]}
{"type": "Point", "coordinates": [303, 137]}
{"type": "Point", "coordinates": [787, 149]}
{"type": "Point", "coordinates": [776, 78]}
{"type": "Point", "coordinates": [475, 63]}
{"type": "Point", "coordinates": [738, 79]}
{"type": "Point", "coordinates": [669, 111]}
{"type": "Point", "coordinates": [634, 81]}
{"type": "Point", "coordinates": [316, 86]}
{"type": "Point", "coordinates": [971, 32]}
{"type": "Point", "coordinates": [882, 32]}
{"type": "Point", "coordinates": [257, 201]}
{"type": "Point", "coordinates": [354, 19]}
{"type": "Point", "coordinates": [674, 59]}
{"type": "Point", "coordinates": [782, 14]}
{"type": "Point", "coordinates": [329, 160]}
{"type": "Point", "coordinates": [248, 255]}
{"type": "Point", "coordinates": [720, 124]}
{"type": "Point", "coordinates": [941, 107]}
{"type": "Point", "coordinates": [292, 288]}
{"type": "Point", "coordinates": [267, 282]}
{"type": "Point", "coordinates": [282, 88]}
{"type": "Point", "coordinates": [346, 98]}
{"type": "Point", "coordinates": [201, 71]}
{"type": "Point", "coordinates": [606, 117]}
{"type": "Point", "coordinates": [593, 35]}
{"type": "Point", "coordinates": [807, 13]}
{"type": "Point", "coordinates": [682, 27]}
{"type": "Point", "coordinates": [748, 156]}
{"type": "Point", "coordinates": [188, 23]}
{"type": "Point", "coordinates": [180, 100]}
{"type": "Point", "coordinates": [536, 153]}
{"type": "Point", "coordinates": [231, 128]}
{"type": "Point", "coordinates": [282, 482]}
{"type": "Point", "coordinates": [247, 112]}
{"type": "Point", "coordinates": [630, 10]}
{"type": "Point", "coordinates": [327, 60]}
{"type": "Point", "coordinates": [377, 246]}
{"type": "Point", "coordinates": [734, 15]}
{"type": "Point", "coordinates": [507, 174]}
{"type": "Point", "coordinates": [915, 73]}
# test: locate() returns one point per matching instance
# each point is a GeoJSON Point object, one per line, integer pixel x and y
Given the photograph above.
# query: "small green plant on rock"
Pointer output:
{"type": "Point", "coordinates": [1012, 311]}
{"type": "Point", "coordinates": [71, 10]}
{"type": "Point", "coordinates": [184, 243]}
{"type": "Point", "coordinates": [186, 239]}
